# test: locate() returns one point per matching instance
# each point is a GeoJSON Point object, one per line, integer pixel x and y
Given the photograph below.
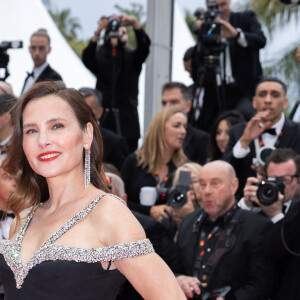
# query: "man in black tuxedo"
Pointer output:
{"type": "Point", "coordinates": [115, 146]}
{"type": "Point", "coordinates": [220, 244]}
{"type": "Point", "coordinates": [39, 49]}
{"type": "Point", "coordinates": [246, 139]}
{"type": "Point", "coordinates": [240, 67]}
{"type": "Point", "coordinates": [196, 141]}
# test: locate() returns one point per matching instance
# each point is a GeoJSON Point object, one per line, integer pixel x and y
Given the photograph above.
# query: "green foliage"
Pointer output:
{"type": "Point", "coordinates": [136, 10]}
{"type": "Point", "coordinates": [190, 20]}
{"type": "Point", "coordinates": [67, 24]}
{"type": "Point", "coordinates": [274, 14]}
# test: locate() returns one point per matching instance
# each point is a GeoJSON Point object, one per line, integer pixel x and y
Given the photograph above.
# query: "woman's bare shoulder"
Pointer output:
{"type": "Point", "coordinates": [120, 224]}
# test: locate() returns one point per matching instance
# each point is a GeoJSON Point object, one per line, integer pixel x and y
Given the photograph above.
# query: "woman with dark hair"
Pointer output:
{"type": "Point", "coordinates": [76, 243]}
{"type": "Point", "coordinates": [219, 135]}
{"type": "Point", "coordinates": [154, 163]}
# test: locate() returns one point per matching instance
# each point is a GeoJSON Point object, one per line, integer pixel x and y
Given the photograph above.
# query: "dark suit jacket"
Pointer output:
{"type": "Point", "coordinates": [243, 268]}
{"type": "Point", "coordinates": [290, 139]}
{"type": "Point", "coordinates": [287, 265]}
{"type": "Point", "coordinates": [47, 74]}
{"type": "Point", "coordinates": [115, 148]}
{"type": "Point", "coordinates": [195, 145]}
{"type": "Point", "coordinates": [128, 65]}
{"type": "Point", "coordinates": [246, 67]}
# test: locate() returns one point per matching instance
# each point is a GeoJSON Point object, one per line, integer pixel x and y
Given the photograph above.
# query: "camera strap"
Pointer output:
{"type": "Point", "coordinates": [261, 142]}
{"type": "Point", "coordinates": [224, 243]}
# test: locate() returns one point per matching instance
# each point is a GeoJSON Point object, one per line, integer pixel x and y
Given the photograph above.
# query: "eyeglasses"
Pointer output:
{"type": "Point", "coordinates": [194, 181]}
{"type": "Point", "coordinates": [287, 179]}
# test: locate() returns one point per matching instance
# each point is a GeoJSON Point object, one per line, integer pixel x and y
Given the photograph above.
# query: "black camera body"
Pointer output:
{"type": "Point", "coordinates": [268, 190]}
{"type": "Point", "coordinates": [113, 26]}
{"type": "Point", "coordinates": [176, 197]}
{"type": "Point", "coordinates": [4, 57]}
{"type": "Point", "coordinates": [209, 37]}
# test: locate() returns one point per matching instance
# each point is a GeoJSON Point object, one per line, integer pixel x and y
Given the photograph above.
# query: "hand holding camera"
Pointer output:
{"type": "Point", "coordinates": [250, 191]}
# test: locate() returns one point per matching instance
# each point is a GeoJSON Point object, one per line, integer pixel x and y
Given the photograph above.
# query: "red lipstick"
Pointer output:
{"type": "Point", "coordinates": [48, 156]}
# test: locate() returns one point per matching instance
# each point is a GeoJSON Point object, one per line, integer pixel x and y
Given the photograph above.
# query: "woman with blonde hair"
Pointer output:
{"type": "Point", "coordinates": [154, 163]}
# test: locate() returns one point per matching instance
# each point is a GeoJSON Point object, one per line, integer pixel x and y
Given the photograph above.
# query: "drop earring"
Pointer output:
{"type": "Point", "coordinates": [87, 167]}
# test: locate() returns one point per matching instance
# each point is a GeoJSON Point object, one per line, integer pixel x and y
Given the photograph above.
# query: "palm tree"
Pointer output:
{"type": "Point", "coordinates": [272, 14]}
{"type": "Point", "coordinates": [67, 24]}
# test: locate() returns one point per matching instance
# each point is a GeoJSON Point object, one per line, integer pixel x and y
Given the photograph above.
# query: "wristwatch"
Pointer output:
{"type": "Point", "coordinates": [239, 30]}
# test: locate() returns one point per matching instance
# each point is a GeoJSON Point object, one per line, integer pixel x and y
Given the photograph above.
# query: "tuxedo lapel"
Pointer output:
{"type": "Point", "coordinates": [288, 134]}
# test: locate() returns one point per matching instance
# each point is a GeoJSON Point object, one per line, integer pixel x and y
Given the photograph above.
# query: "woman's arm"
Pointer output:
{"type": "Point", "coordinates": [148, 273]}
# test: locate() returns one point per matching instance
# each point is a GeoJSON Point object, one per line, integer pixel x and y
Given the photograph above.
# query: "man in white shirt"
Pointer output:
{"type": "Point", "coordinates": [39, 49]}
{"type": "Point", "coordinates": [269, 127]}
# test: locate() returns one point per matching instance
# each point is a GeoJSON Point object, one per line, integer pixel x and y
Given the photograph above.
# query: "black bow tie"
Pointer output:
{"type": "Point", "coordinates": [30, 74]}
{"type": "Point", "coordinates": [271, 131]}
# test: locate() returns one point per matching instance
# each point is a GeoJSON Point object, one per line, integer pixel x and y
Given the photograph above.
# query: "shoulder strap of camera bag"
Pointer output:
{"type": "Point", "coordinates": [224, 244]}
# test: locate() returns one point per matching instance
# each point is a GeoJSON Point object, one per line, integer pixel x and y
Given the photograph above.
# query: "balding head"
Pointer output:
{"type": "Point", "coordinates": [218, 185]}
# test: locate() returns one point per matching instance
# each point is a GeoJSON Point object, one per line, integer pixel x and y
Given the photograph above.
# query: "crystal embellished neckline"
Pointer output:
{"type": "Point", "coordinates": [68, 225]}
{"type": "Point", "coordinates": [52, 252]}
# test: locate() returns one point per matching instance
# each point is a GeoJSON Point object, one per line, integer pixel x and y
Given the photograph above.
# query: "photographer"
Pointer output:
{"type": "Point", "coordinates": [237, 60]}
{"type": "Point", "coordinates": [284, 166]}
{"type": "Point", "coordinates": [282, 240]}
{"type": "Point", "coordinates": [118, 69]}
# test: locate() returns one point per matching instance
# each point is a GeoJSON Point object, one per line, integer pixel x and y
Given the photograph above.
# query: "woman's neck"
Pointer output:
{"type": "Point", "coordinates": [168, 155]}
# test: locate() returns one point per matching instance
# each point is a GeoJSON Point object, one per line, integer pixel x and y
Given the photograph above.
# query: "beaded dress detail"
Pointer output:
{"type": "Point", "coordinates": [53, 252]}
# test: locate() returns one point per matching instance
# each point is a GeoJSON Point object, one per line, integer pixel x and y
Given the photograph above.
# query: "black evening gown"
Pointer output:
{"type": "Point", "coordinates": [60, 272]}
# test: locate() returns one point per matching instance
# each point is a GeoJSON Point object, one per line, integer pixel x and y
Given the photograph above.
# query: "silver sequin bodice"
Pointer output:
{"type": "Point", "coordinates": [51, 252]}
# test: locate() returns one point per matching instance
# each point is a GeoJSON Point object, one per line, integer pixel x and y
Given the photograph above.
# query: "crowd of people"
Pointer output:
{"type": "Point", "coordinates": [206, 208]}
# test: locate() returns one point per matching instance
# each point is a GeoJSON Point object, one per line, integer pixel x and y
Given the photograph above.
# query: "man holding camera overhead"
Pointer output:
{"type": "Point", "coordinates": [268, 128]}
{"type": "Point", "coordinates": [118, 69]}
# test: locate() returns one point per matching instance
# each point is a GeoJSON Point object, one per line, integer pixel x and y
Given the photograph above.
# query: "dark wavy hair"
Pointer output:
{"type": "Point", "coordinates": [232, 117]}
{"type": "Point", "coordinates": [32, 188]}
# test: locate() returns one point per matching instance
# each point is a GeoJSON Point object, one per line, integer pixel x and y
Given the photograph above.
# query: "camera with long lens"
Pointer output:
{"type": "Point", "coordinates": [4, 57]}
{"type": "Point", "coordinates": [267, 192]}
{"type": "Point", "coordinates": [113, 26]}
{"type": "Point", "coordinates": [209, 36]}
{"type": "Point", "coordinates": [177, 196]}
{"type": "Point", "coordinates": [262, 155]}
